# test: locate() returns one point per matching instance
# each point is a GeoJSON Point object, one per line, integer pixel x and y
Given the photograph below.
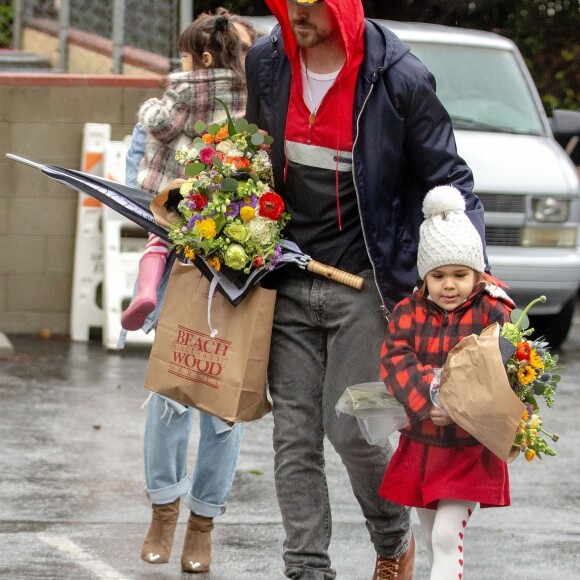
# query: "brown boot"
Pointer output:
{"type": "Point", "coordinates": [196, 556]}
{"type": "Point", "coordinates": [400, 568]}
{"type": "Point", "coordinates": [157, 545]}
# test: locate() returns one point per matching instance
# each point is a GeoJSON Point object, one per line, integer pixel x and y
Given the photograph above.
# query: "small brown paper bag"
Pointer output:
{"type": "Point", "coordinates": [164, 216]}
{"type": "Point", "coordinates": [476, 393]}
{"type": "Point", "coordinates": [223, 375]}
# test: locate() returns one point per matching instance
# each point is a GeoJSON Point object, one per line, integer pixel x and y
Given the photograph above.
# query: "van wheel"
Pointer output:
{"type": "Point", "coordinates": [554, 327]}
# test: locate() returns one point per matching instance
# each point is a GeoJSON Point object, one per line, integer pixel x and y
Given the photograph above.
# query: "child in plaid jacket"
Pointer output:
{"type": "Point", "coordinates": [212, 67]}
{"type": "Point", "coordinates": [439, 468]}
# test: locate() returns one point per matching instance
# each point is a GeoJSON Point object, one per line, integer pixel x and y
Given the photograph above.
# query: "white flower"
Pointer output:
{"type": "Point", "coordinates": [229, 149]}
{"type": "Point", "coordinates": [262, 230]}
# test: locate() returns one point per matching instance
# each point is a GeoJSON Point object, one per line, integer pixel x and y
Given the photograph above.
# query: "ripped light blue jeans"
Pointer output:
{"type": "Point", "coordinates": [167, 432]}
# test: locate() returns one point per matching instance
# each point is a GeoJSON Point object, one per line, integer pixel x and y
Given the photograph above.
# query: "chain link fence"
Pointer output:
{"type": "Point", "coordinates": [148, 25]}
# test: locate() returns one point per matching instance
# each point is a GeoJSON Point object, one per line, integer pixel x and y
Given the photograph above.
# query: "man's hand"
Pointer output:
{"type": "Point", "coordinates": [440, 417]}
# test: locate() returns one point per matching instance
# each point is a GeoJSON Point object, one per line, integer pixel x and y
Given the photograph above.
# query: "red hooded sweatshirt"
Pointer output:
{"type": "Point", "coordinates": [320, 190]}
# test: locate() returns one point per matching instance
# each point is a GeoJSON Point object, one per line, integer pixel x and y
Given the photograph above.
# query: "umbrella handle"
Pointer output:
{"type": "Point", "coordinates": [336, 275]}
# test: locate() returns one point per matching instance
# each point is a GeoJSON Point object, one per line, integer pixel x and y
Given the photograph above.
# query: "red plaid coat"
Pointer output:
{"type": "Point", "coordinates": [420, 336]}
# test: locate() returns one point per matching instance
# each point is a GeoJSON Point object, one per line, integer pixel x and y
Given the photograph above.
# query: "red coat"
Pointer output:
{"type": "Point", "coordinates": [420, 336]}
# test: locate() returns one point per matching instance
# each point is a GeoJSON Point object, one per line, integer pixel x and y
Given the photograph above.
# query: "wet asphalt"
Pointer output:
{"type": "Point", "coordinates": [72, 503]}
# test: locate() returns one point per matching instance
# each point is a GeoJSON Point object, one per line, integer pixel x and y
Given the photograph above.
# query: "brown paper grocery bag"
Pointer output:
{"type": "Point", "coordinates": [223, 375]}
{"type": "Point", "coordinates": [476, 393]}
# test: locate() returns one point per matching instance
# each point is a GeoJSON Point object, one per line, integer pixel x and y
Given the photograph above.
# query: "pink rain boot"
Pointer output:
{"type": "Point", "coordinates": [151, 269]}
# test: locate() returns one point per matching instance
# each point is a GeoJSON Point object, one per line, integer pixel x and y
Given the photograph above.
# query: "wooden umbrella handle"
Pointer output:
{"type": "Point", "coordinates": [336, 275]}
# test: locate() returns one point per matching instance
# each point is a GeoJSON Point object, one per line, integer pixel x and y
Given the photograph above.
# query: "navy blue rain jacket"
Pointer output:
{"type": "Point", "coordinates": [403, 147]}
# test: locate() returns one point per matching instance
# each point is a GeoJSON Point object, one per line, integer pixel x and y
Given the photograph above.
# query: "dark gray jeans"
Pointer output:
{"type": "Point", "coordinates": [326, 337]}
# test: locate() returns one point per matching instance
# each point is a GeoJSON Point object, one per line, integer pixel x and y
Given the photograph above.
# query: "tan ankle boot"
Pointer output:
{"type": "Point", "coordinates": [196, 556]}
{"type": "Point", "coordinates": [159, 540]}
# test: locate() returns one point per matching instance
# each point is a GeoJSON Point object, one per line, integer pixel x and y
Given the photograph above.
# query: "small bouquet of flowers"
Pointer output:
{"type": "Point", "coordinates": [229, 214]}
{"type": "Point", "coordinates": [531, 375]}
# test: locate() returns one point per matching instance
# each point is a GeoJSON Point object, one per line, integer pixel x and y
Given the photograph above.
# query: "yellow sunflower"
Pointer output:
{"type": "Point", "coordinates": [535, 360]}
{"type": "Point", "coordinates": [526, 375]}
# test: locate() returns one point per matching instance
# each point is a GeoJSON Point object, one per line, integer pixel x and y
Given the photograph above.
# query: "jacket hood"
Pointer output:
{"type": "Point", "coordinates": [348, 13]}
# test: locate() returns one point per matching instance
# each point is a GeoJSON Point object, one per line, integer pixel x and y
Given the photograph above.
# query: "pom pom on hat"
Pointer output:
{"type": "Point", "coordinates": [442, 200]}
{"type": "Point", "coordinates": [447, 236]}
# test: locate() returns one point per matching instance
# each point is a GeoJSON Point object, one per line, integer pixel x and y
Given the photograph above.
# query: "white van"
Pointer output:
{"type": "Point", "coordinates": [525, 180]}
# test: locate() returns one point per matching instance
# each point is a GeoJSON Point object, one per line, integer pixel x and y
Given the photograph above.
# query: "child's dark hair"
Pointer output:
{"type": "Point", "coordinates": [218, 36]}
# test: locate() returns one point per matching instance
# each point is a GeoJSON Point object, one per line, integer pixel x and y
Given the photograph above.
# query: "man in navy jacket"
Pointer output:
{"type": "Point", "coordinates": [359, 138]}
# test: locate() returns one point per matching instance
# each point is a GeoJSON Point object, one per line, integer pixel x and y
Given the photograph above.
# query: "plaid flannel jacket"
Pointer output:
{"type": "Point", "coordinates": [420, 336]}
{"type": "Point", "coordinates": [170, 120]}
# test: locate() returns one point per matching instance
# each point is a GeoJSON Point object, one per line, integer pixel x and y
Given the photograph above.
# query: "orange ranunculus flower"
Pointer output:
{"type": "Point", "coordinates": [222, 134]}
{"type": "Point", "coordinates": [530, 454]}
{"type": "Point", "coordinates": [239, 162]}
{"type": "Point", "coordinates": [215, 263]}
{"type": "Point", "coordinates": [207, 138]}
{"type": "Point", "coordinates": [523, 350]}
{"type": "Point", "coordinates": [189, 253]}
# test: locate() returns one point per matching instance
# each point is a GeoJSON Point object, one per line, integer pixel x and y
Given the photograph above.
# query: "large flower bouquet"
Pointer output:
{"type": "Point", "coordinates": [531, 374]}
{"type": "Point", "coordinates": [230, 216]}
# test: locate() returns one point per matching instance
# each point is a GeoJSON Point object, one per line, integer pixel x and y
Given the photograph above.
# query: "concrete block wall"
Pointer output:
{"type": "Point", "coordinates": [42, 119]}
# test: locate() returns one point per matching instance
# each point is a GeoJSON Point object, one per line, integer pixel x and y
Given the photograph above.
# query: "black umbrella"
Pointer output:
{"type": "Point", "coordinates": [131, 203]}
{"type": "Point", "coordinates": [134, 205]}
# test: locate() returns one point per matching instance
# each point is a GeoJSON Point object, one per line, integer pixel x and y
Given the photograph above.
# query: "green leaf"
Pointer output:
{"type": "Point", "coordinates": [220, 221]}
{"type": "Point", "coordinates": [539, 388]}
{"type": "Point", "coordinates": [199, 145]}
{"type": "Point", "coordinates": [241, 125]}
{"type": "Point", "coordinates": [217, 162]}
{"type": "Point", "coordinates": [257, 139]}
{"type": "Point", "coordinates": [515, 316]}
{"type": "Point", "coordinates": [268, 139]}
{"type": "Point", "coordinates": [199, 127]}
{"type": "Point", "coordinates": [229, 184]}
{"type": "Point", "coordinates": [252, 128]}
{"type": "Point", "coordinates": [213, 128]}
{"type": "Point", "coordinates": [194, 169]}
{"type": "Point", "coordinates": [231, 128]}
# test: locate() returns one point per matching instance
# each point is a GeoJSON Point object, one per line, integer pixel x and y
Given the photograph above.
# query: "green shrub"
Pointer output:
{"type": "Point", "coordinates": [6, 18]}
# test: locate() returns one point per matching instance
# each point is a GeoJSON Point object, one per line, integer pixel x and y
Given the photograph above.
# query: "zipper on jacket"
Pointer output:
{"type": "Point", "coordinates": [384, 310]}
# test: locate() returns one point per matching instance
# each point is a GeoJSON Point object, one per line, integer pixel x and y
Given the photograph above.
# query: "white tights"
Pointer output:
{"type": "Point", "coordinates": [443, 529]}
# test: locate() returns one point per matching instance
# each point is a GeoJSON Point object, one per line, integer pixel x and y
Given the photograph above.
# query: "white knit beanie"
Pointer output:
{"type": "Point", "coordinates": [447, 236]}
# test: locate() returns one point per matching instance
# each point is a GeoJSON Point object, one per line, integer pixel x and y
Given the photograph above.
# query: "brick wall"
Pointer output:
{"type": "Point", "coordinates": [42, 119]}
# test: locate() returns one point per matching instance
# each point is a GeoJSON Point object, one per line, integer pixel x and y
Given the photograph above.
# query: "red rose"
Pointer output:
{"type": "Point", "coordinates": [199, 200]}
{"type": "Point", "coordinates": [271, 205]}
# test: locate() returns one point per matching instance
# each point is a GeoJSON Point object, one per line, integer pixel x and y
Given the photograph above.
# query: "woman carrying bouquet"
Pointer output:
{"type": "Point", "coordinates": [439, 468]}
{"type": "Point", "coordinates": [212, 50]}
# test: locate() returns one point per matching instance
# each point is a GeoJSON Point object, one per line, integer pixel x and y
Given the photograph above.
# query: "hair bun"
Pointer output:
{"type": "Point", "coordinates": [442, 200]}
{"type": "Point", "coordinates": [221, 23]}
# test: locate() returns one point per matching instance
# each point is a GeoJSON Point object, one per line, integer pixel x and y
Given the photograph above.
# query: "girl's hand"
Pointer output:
{"type": "Point", "coordinates": [440, 417]}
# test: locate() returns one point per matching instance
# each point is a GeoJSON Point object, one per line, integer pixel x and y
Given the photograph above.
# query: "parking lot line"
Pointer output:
{"type": "Point", "coordinates": [81, 557]}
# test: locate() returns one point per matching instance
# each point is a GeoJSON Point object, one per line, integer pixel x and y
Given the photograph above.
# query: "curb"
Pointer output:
{"type": "Point", "coordinates": [6, 348]}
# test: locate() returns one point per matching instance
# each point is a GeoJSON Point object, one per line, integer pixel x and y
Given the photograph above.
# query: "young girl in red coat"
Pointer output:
{"type": "Point", "coordinates": [439, 468]}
